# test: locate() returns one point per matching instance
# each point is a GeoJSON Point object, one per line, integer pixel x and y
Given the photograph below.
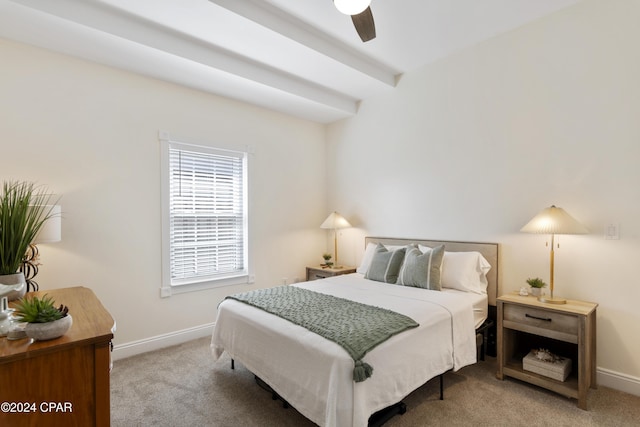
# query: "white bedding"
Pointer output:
{"type": "Point", "coordinates": [480, 303]}
{"type": "Point", "coordinates": [316, 375]}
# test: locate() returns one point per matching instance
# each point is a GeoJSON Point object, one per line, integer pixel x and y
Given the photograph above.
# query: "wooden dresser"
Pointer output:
{"type": "Point", "coordinates": [64, 381]}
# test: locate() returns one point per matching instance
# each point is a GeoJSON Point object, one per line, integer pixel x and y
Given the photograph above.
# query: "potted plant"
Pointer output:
{"type": "Point", "coordinates": [23, 209]}
{"type": "Point", "coordinates": [327, 260]}
{"type": "Point", "coordinates": [536, 285]}
{"type": "Point", "coordinates": [44, 320]}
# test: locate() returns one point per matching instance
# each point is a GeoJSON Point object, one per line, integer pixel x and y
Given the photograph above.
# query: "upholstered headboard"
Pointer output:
{"type": "Point", "coordinates": [488, 250]}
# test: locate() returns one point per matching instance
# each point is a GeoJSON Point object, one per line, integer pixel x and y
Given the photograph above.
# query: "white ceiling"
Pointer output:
{"type": "Point", "coordinates": [302, 58]}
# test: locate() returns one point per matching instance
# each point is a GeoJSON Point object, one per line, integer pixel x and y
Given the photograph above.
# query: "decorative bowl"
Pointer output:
{"type": "Point", "coordinates": [49, 330]}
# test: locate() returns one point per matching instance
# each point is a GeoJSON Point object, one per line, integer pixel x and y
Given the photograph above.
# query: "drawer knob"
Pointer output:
{"type": "Point", "coordinates": [546, 319]}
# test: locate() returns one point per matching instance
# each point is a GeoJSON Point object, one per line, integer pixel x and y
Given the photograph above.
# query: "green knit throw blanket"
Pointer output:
{"type": "Point", "coordinates": [354, 326]}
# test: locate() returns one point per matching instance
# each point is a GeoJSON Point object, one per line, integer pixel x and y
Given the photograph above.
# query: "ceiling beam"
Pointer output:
{"type": "Point", "coordinates": [114, 21]}
{"type": "Point", "coordinates": [275, 19]}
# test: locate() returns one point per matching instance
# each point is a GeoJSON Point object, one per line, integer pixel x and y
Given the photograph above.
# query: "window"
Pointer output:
{"type": "Point", "coordinates": [204, 217]}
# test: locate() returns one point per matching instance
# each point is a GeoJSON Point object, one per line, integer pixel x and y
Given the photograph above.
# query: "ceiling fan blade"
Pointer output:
{"type": "Point", "coordinates": [364, 25]}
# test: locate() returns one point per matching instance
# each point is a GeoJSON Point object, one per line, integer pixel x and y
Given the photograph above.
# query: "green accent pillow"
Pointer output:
{"type": "Point", "coordinates": [422, 270]}
{"type": "Point", "coordinates": [385, 265]}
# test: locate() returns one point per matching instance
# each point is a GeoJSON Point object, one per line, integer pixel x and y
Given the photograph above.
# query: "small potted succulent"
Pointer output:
{"type": "Point", "coordinates": [536, 286]}
{"type": "Point", "coordinates": [44, 320]}
{"type": "Point", "coordinates": [327, 260]}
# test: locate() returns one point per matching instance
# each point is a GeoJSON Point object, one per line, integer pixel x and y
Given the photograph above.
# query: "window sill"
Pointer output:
{"type": "Point", "coordinates": [167, 291]}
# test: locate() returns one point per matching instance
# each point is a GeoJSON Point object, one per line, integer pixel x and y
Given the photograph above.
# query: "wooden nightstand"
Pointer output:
{"type": "Point", "coordinates": [568, 330]}
{"type": "Point", "coordinates": [317, 272]}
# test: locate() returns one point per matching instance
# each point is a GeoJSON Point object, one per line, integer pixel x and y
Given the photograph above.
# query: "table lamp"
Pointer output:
{"type": "Point", "coordinates": [335, 221]}
{"type": "Point", "coordinates": [553, 220]}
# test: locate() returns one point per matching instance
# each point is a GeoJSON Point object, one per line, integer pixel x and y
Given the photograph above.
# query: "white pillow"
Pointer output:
{"type": "Point", "coordinates": [369, 252]}
{"type": "Point", "coordinates": [465, 271]}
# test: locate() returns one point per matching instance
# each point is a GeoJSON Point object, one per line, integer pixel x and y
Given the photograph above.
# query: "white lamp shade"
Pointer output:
{"type": "Point", "coordinates": [553, 220]}
{"type": "Point", "coordinates": [51, 230]}
{"type": "Point", "coordinates": [335, 221]}
{"type": "Point", "coordinates": [351, 7]}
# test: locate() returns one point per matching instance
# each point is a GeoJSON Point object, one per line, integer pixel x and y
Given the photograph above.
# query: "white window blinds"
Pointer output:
{"type": "Point", "coordinates": [207, 214]}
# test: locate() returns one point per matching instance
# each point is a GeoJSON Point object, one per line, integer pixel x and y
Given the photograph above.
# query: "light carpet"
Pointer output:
{"type": "Point", "coordinates": [183, 386]}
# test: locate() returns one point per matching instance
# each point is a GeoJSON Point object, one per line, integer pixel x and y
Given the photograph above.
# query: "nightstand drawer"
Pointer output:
{"type": "Point", "coordinates": [533, 319]}
{"type": "Point", "coordinates": [316, 275]}
{"type": "Point", "coordinates": [319, 272]}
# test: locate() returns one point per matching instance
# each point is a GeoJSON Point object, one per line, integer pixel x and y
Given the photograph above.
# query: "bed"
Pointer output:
{"type": "Point", "coordinates": [314, 375]}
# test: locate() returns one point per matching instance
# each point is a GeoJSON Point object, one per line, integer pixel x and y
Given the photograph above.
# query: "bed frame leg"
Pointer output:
{"type": "Point", "coordinates": [274, 395]}
{"type": "Point", "coordinates": [233, 364]}
{"type": "Point", "coordinates": [441, 386]}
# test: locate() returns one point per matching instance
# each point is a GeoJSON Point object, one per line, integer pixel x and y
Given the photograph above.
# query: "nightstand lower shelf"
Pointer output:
{"type": "Point", "coordinates": [568, 388]}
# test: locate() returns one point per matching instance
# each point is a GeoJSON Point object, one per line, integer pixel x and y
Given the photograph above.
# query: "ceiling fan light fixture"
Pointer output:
{"type": "Point", "coordinates": [351, 7]}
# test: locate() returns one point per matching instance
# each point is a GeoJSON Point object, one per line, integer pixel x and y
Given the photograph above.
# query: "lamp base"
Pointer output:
{"type": "Point", "coordinates": [551, 300]}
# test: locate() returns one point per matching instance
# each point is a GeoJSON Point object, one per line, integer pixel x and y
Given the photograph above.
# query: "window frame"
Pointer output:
{"type": "Point", "coordinates": [170, 286]}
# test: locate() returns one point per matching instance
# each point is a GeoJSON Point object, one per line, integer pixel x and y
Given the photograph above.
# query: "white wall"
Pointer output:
{"type": "Point", "coordinates": [90, 134]}
{"type": "Point", "coordinates": [472, 147]}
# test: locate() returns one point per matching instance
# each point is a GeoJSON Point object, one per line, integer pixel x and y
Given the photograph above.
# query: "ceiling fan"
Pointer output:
{"type": "Point", "coordinates": [360, 15]}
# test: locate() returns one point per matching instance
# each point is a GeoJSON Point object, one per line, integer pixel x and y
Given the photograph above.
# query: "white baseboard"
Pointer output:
{"type": "Point", "coordinates": [618, 381]}
{"type": "Point", "coordinates": [133, 348]}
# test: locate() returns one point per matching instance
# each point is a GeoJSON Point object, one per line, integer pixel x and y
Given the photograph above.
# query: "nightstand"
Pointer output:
{"type": "Point", "coordinates": [568, 330]}
{"type": "Point", "coordinates": [317, 272]}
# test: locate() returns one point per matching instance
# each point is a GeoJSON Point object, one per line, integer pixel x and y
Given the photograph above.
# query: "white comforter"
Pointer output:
{"type": "Point", "coordinates": [316, 375]}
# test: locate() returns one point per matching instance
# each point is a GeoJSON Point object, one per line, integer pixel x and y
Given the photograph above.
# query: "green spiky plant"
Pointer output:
{"type": "Point", "coordinates": [327, 259]}
{"type": "Point", "coordinates": [536, 283]}
{"type": "Point", "coordinates": [23, 209]}
{"type": "Point", "coordinates": [39, 310]}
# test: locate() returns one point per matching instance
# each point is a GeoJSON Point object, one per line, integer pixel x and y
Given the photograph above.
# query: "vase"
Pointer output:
{"type": "Point", "coordinates": [536, 291]}
{"type": "Point", "coordinates": [13, 286]}
{"type": "Point", "coordinates": [5, 317]}
{"type": "Point", "coordinates": [49, 330]}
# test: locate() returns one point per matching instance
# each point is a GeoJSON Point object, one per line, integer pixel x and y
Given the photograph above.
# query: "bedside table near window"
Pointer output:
{"type": "Point", "coordinates": [317, 272]}
{"type": "Point", "coordinates": [567, 330]}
